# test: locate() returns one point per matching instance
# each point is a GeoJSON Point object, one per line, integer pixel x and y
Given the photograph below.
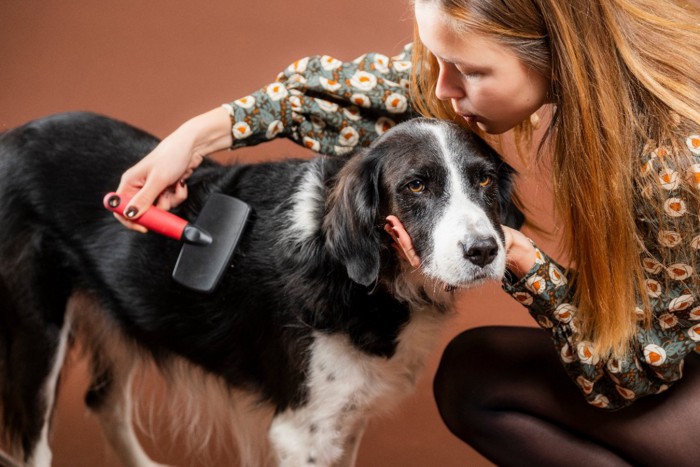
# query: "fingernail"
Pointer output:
{"type": "Point", "coordinates": [130, 212]}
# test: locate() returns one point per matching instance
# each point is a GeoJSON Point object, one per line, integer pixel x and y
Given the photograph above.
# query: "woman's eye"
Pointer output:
{"type": "Point", "coordinates": [485, 181]}
{"type": "Point", "coordinates": [416, 186]}
{"type": "Point", "coordinates": [469, 74]}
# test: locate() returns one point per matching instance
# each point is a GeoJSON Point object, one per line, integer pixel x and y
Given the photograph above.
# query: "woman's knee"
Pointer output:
{"type": "Point", "coordinates": [486, 369]}
{"type": "Point", "coordinates": [464, 378]}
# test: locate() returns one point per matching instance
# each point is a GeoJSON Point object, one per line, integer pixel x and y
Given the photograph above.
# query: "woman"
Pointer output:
{"type": "Point", "coordinates": [623, 78]}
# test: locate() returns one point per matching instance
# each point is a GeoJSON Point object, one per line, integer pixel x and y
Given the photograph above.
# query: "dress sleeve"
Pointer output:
{"type": "Point", "coordinates": [658, 351]}
{"type": "Point", "coordinates": [327, 105]}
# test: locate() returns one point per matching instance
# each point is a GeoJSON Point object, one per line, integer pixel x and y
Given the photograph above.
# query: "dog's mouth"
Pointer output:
{"type": "Point", "coordinates": [475, 281]}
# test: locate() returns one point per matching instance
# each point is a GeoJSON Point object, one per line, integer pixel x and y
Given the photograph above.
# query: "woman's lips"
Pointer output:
{"type": "Point", "coordinates": [469, 118]}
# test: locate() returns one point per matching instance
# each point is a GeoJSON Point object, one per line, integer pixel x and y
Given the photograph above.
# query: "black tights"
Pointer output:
{"type": "Point", "coordinates": [504, 391]}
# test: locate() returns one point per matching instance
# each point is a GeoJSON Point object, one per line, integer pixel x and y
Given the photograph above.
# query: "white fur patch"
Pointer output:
{"type": "Point", "coordinates": [344, 385]}
{"type": "Point", "coordinates": [306, 202]}
{"type": "Point", "coordinates": [42, 452]}
{"type": "Point", "coordinates": [462, 222]}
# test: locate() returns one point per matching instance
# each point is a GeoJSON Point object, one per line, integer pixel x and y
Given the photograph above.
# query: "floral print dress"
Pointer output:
{"type": "Point", "coordinates": [658, 351]}
{"type": "Point", "coordinates": [329, 106]}
{"type": "Point", "coordinates": [335, 107]}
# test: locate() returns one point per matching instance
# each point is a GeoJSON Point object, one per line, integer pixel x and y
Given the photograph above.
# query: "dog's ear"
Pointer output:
{"type": "Point", "coordinates": [510, 214]}
{"type": "Point", "coordinates": [350, 224]}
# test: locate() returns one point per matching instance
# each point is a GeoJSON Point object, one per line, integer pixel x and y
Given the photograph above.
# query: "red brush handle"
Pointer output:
{"type": "Point", "coordinates": [154, 219]}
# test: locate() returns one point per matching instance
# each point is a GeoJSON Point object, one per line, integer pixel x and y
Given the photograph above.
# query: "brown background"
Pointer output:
{"type": "Point", "coordinates": [157, 63]}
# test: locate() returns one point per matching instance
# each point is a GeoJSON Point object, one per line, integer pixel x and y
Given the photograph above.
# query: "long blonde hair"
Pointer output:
{"type": "Point", "coordinates": [623, 73]}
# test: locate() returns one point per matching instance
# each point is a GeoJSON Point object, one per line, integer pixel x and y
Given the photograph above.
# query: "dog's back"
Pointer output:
{"type": "Point", "coordinates": [58, 240]}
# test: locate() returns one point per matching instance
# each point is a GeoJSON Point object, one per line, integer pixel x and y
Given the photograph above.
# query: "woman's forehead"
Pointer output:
{"type": "Point", "coordinates": [439, 34]}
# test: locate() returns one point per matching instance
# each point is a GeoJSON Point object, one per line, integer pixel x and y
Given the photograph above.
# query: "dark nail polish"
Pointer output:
{"type": "Point", "coordinates": [130, 212]}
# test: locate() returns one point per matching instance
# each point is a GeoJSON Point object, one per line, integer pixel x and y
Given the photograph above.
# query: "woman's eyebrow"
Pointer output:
{"type": "Point", "coordinates": [449, 60]}
{"type": "Point", "coordinates": [456, 61]}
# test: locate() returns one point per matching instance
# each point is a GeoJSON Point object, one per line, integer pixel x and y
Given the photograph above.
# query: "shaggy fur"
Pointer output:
{"type": "Point", "coordinates": [317, 318]}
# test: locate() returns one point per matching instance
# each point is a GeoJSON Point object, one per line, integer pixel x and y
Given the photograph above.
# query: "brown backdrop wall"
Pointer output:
{"type": "Point", "coordinates": [157, 63]}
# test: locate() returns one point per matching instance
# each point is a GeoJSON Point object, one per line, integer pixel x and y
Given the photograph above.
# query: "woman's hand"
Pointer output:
{"type": "Point", "coordinates": [520, 253]}
{"type": "Point", "coordinates": [402, 241]}
{"type": "Point", "coordinates": [160, 177]}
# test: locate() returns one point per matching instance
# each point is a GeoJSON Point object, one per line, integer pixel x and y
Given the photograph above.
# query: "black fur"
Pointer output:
{"type": "Point", "coordinates": [254, 329]}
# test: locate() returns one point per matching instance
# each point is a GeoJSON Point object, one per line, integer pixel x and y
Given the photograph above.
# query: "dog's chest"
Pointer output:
{"type": "Point", "coordinates": [338, 370]}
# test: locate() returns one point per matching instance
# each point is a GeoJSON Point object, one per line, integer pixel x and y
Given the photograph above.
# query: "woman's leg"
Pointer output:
{"type": "Point", "coordinates": [504, 391]}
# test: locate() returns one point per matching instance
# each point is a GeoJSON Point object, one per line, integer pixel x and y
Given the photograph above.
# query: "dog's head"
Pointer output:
{"type": "Point", "coordinates": [450, 190]}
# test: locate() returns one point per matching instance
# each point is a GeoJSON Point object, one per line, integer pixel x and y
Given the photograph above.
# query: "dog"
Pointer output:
{"type": "Point", "coordinates": [318, 321]}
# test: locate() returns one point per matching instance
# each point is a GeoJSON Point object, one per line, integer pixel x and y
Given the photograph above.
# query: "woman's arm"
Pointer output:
{"type": "Point", "coordinates": [329, 106]}
{"type": "Point", "coordinates": [160, 176]}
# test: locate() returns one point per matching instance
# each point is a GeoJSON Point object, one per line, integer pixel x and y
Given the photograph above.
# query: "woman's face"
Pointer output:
{"type": "Point", "coordinates": [487, 84]}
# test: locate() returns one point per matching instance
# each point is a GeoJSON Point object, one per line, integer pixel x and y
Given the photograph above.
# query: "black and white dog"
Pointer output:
{"type": "Point", "coordinates": [319, 319]}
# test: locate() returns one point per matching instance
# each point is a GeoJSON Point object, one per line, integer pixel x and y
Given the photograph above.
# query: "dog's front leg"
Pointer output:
{"type": "Point", "coordinates": [309, 437]}
{"type": "Point", "coordinates": [343, 386]}
{"type": "Point", "coordinates": [352, 444]}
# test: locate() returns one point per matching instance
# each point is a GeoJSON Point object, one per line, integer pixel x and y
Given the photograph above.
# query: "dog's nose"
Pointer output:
{"type": "Point", "coordinates": [481, 251]}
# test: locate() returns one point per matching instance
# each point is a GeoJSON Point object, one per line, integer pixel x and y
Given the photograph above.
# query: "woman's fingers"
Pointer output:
{"type": "Point", "coordinates": [402, 240]}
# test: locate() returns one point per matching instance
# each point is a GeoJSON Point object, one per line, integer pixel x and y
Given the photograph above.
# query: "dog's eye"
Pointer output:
{"type": "Point", "coordinates": [485, 181]}
{"type": "Point", "coordinates": [416, 186]}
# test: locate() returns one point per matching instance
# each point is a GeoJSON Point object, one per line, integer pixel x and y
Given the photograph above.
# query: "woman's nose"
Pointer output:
{"type": "Point", "coordinates": [448, 85]}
